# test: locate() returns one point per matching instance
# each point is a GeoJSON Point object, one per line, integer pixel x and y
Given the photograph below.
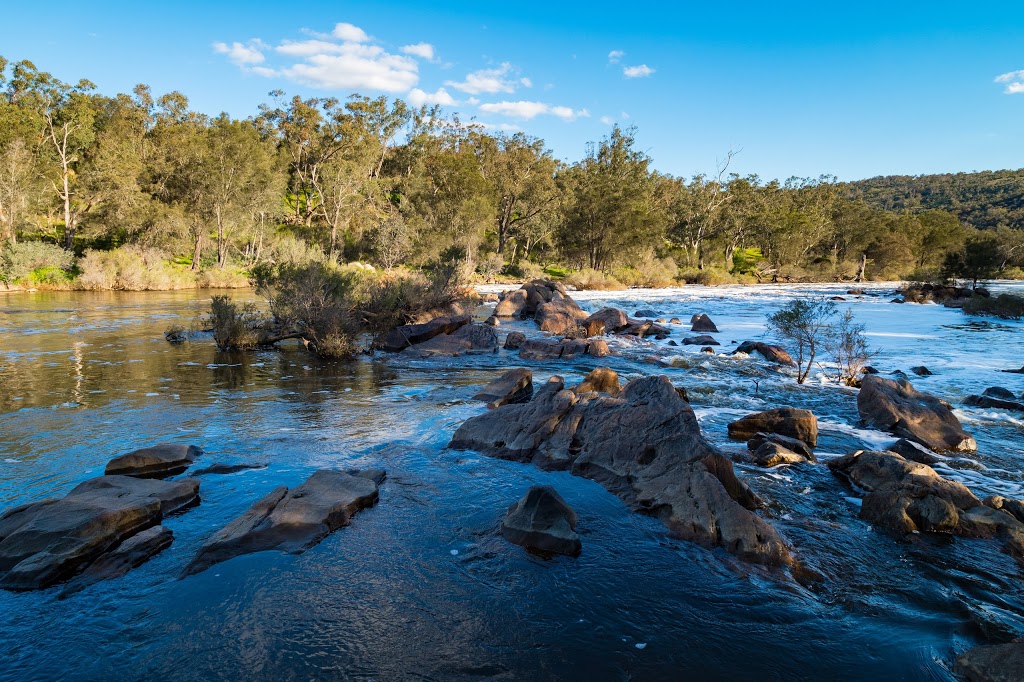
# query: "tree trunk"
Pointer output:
{"type": "Point", "coordinates": [69, 226]}
{"type": "Point", "coordinates": [222, 249]}
{"type": "Point", "coordinates": [863, 266]}
{"type": "Point", "coordinates": [198, 251]}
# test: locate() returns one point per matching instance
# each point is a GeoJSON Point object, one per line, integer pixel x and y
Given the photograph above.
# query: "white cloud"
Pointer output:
{"type": "Point", "coordinates": [264, 71]}
{"type": "Point", "coordinates": [1014, 82]}
{"type": "Point", "coordinates": [527, 110]}
{"type": "Point", "coordinates": [615, 55]}
{"type": "Point", "coordinates": [624, 116]}
{"type": "Point", "coordinates": [490, 81]}
{"type": "Point", "coordinates": [242, 54]}
{"type": "Point", "coordinates": [607, 120]}
{"type": "Point", "coordinates": [350, 33]}
{"type": "Point", "coordinates": [527, 83]}
{"type": "Point", "coordinates": [423, 50]}
{"type": "Point", "coordinates": [641, 71]}
{"type": "Point", "coordinates": [418, 98]}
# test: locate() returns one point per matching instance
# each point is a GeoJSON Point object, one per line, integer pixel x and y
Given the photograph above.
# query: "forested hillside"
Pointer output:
{"type": "Point", "coordinates": [140, 191]}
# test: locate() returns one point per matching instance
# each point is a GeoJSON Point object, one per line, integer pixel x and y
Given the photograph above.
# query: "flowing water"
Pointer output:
{"type": "Point", "coordinates": [422, 586]}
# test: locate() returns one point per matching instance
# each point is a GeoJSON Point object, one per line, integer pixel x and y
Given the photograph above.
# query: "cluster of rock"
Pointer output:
{"type": "Point", "coordinates": [948, 296]}
{"type": "Point", "coordinates": [642, 442]}
{"type": "Point", "coordinates": [784, 435]}
{"type": "Point", "coordinates": [996, 398]}
{"type": "Point", "coordinates": [446, 335]}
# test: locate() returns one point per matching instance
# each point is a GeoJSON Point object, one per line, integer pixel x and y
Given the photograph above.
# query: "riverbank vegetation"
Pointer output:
{"type": "Point", "coordinates": [139, 191]}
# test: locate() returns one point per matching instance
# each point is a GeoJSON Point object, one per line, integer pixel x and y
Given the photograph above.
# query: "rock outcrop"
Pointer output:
{"type": "Point", "coordinates": [614, 319]}
{"type": "Point", "coordinates": [46, 542]}
{"type": "Point", "coordinates": [703, 323]}
{"type": "Point", "coordinates": [469, 338]}
{"type": "Point", "coordinates": [514, 386]}
{"type": "Point", "coordinates": [896, 407]}
{"type": "Point", "coordinates": [133, 552]}
{"type": "Point", "coordinates": [602, 380]}
{"type": "Point", "coordinates": [772, 449]}
{"type": "Point", "coordinates": [542, 521]}
{"type": "Point", "coordinates": [158, 461]}
{"type": "Point", "coordinates": [292, 520]}
{"type": "Point", "coordinates": [992, 663]}
{"type": "Point", "coordinates": [771, 353]}
{"type": "Point", "coordinates": [644, 445]}
{"type": "Point", "coordinates": [407, 335]}
{"type": "Point", "coordinates": [785, 421]}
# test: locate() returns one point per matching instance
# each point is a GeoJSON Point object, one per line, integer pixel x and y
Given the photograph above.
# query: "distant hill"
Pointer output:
{"type": "Point", "coordinates": [988, 199]}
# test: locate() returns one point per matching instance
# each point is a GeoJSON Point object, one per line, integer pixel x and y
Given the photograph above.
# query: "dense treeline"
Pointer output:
{"type": "Point", "coordinates": [140, 191]}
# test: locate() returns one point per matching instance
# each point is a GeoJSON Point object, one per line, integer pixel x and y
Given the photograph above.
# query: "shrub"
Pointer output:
{"type": "Point", "coordinates": [815, 325]}
{"type": "Point", "coordinates": [707, 277]}
{"type": "Point", "coordinates": [234, 328]}
{"type": "Point", "coordinates": [490, 266]}
{"type": "Point", "coordinates": [593, 279]}
{"type": "Point", "coordinates": [132, 268]}
{"type": "Point", "coordinates": [648, 271]}
{"type": "Point", "coordinates": [19, 261]}
{"type": "Point", "coordinates": [525, 270]}
{"type": "Point", "coordinates": [1006, 306]}
{"type": "Point", "coordinates": [223, 278]}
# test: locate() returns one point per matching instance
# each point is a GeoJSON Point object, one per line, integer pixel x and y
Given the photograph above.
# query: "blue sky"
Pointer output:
{"type": "Point", "coordinates": [853, 89]}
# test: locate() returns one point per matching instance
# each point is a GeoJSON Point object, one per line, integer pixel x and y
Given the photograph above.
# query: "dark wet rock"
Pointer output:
{"type": "Point", "coordinates": [644, 445]}
{"type": "Point", "coordinates": [785, 421]}
{"type": "Point", "coordinates": [868, 369]}
{"type": "Point", "coordinates": [133, 552]}
{"type": "Point", "coordinates": [775, 354]}
{"type": "Point", "coordinates": [647, 312]}
{"type": "Point", "coordinates": [672, 342]}
{"type": "Point", "coordinates": [702, 340]}
{"type": "Point", "coordinates": [675, 320]}
{"type": "Point", "coordinates": [514, 386]}
{"type": "Point", "coordinates": [644, 328]}
{"type": "Point", "coordinates": [602, 380]}
{"type": "Point", "coordinates": [855, 292]}
{"type": "Point", "coordinates": [614, 319]}
{"type": "Point", "coordinates": [937, 293]}
{"type": "Point", "coordinates": [897, 300]}
{"type": "Point", "coordinates": [1011, 506]}
{"type": "Point", "coordinates": [707, 349]}
{"type": "Point", "coordinates": [45, 542]}
{"type": "Point", "coordinates": [158, 461]}
{"type": "Point", "coordinates": [514, 340]}
{"type": "Point", "coordinates": [921, 371]}
{"type": "Point", "coordinates": [492, 321]}
{"type": "Point", "coordinates": [992, 663]}
{"type": "Point", "coordinates": [542, 521]}
{"type": "Point", "coordinates": [703, 323]}
{"type": "Point", "coordinates": [470, 338]}
{"type": "Point", "coordinates": [228, 468]}
{"type": "Point", "coordinates": [990, 403]}
{"type": "Point", "coordinates": [770, 454]}
{"type": "Point", "coordinates": [915, 452]}
{"type": "Point", "coordinates": [566, 349]}
{"type": "Point", "coordinates": [899, 374]}
{"type": "Point", "coordinates": [896, 407]}
{"type": "Point", "coordinates": [999, 393]}
{"type": "Point", "coordinates": [837, 298]}
{"type": "Point", "coordinates": [792, 444]}
{"type": "Point", "coordinates": [407, 335]}
{"type": "Point", "coordinates": [292, 520]}
{"type": "Point", "coordinates": [176, 335]}
{"type": "Point", "coordinates": [1014, 371]}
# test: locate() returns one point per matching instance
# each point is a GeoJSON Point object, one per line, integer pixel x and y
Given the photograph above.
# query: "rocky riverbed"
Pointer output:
{"type": "Point", "coordinates": [429, 576]}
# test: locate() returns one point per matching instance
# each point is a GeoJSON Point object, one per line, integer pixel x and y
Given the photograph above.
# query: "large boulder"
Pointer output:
{"type": "Point", "coordinates": [511, 304]}
{"type": "Point", "coordinates": [470, 338]}
{"type": "Point", "coordinates": [785, 421]}
{"type": "Point", "coordinates": [703, 323]}
{"type": "Point", "coordinates": [907, 497]}
{"type": "Point", "coordinates": [407, 335]}
{"type": "Point", "coordinates": [543, 521]}
{"type": "Point", "coordinates": [644, 445]}
{"type": "Point", "coordinates": [514, 386]}
{"type": "Point", "coordinates": [292, 520]}
{"type": "Point", "coordinates": [776, 354]}
{"type": "Point", "coordinates": [614, 319]}
{"type": "Point", "coordinates": [779, 445]}
{"type": "Point", "coordinates": [133, 552]}
{"type": "Point", "coordinates": [896, 407]}
{"type": "Point", "coordinates": [158, 461]}
{"type": "Point", "coordinates": [45, 542]}
{"type": "Point", "coordinates": [992, 663]}
{"type": "Point", "coordinates": [560, 315]}
{"type": "Point", "coordinates": [602, 380]}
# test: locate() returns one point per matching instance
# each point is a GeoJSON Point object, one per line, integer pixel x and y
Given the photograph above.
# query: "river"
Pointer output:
{"type": "Point", "coordinates": [422, 586]}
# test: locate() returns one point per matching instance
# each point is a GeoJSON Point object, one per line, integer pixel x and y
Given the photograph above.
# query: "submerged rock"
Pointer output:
{"type": "Point", "coordinates": [543, 521]}
{"type": "Point", "coordinates": [566, 349]}
{"type": "Point", "coordinates": [647, 312]}
{"type": "Point", "coordinates": [514, 386]}
{"type": "Point", "coordinates": [896, 407]}
{"type": "Point", "coordinates": [133, 552]}
{"type": "Point", "coordinates": [999, 393]}
{"type": "Point", "coordinates": [228, 468]}
{"type": "Point", "coordinates": [644, 445]}
{"type": "Point", "coordinates": [158, 461]}
{"type": "Point", "coordinates": [785, 421]}
{"type": "Point", "coordinates": [992, 663]}
{"type": "Point", "coordinates": [292, 520]}
{"type": "Point", "coordinates": [922, 371]}
{"type": "Point", "coordinates": [703, 340]}
{"type": "Point", "coordinates": [775, 354]}
{"type": "Point", "coordinates": [703, 323]}
{"type": "Point", "coordinates": [45, 542]}
{"type": "Point", "coordinates": [407, 335]}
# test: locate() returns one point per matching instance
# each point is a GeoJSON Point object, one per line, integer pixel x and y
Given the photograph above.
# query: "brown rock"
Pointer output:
{"type": "Point", "coordinates": [602, 380]}
{"type": "Point", "coordinates": [598, 348]}
{"type": "Point", "coordinates": [158, 461]}
{"type": "Point", "coordinates": [133, 552]}
{"type": "Point", "coordinates": [542, 521]}
{"type": "Point", "coordinates": [514, 386]}
{"type": "Point", "coordinates": [785, 421]}
{"type": "Point", "coordinates": [775, 354]}
{"type": "Point", "coordinates": [614, 319]}
{"type": "Point", "coordinates": [470, 338]}
{"type": "Point", "coordinates": [407, 335]}
{"type": "Point", "coordinates": [514, 340]}
{"type": "Point", "coordinates": [896, 407]}
{"type": "Point", "coordinates": [703, 340]}
{"type": "Point", "coordinates": [992, 663]}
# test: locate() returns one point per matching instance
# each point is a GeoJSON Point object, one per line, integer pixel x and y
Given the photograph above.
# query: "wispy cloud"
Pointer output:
{"type": "Point", "coordinates": [241, 54]}
{"type": "Point", "coordinates": [607, 120]}
{"type": "Point", "coordinates": [641, 71]}
{"type": "Point", "coordinates": [418, 98]}
{"type": "Point", "coordinates": [350, 33]}
{"type": "Point", "coordinates": [491, 81]}
{"type": "Point", "coordinates": [527, 110]}
{"type": "Point", "coordinates": [1014, 81]}
{"type": "Point", "coordinates": [615, 55]}
{"type": "Point", "coordinates": [422, 50]}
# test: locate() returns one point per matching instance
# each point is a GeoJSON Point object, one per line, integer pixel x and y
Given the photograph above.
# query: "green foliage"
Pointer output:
{"type": "Point", "coordinates": [588, 278]}
{"type": "Point", "coordinates": [806, 323]}
{"type": "Point", "coordinates": [234, 327]}
{"type": "Point", "coordinates": [979, 259]}
{"type": "Point", "coordinates": [23, 260]}
{"type": "Point", "coordinates": [707, 277]}
{"type": "Point", "coordinates": [132, 268]}
{"type": "Point", "coordinates": [745, 260]}
{"type": "Point", "coordinates": [1006, 306]}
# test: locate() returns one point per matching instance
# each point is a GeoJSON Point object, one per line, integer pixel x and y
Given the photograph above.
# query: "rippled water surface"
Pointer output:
{"type": "Point", "coordinates": [422, 586]}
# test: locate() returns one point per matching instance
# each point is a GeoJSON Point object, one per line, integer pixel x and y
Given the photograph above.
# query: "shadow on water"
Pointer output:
{"type": "Point", "coordinates": [422, 586]}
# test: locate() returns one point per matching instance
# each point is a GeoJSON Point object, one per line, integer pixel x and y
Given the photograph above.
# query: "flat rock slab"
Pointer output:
{"type": "Point", "coordinates": [158, 461]}
{"type": "Point", "coordinates": [470, 338]}
{"type": "Point", "coordinates": [292, 520]}
{"type": "Point", "coordinates": [407, 335]}
{"type": "Point", "coordinates": [896, 407]}
{"type": "Point", "coordinates": [542, 521]}
{"type": "Point", "coordinates": [785, 421]}
{"type": "Point", "coordinates": [514, 386]}
{"type": "Point", "coordinates": [133, 552]}
{"type": "Point", "coordinates": [228, 468]}
{"type": "Point", "coordinates": [45, 542]}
